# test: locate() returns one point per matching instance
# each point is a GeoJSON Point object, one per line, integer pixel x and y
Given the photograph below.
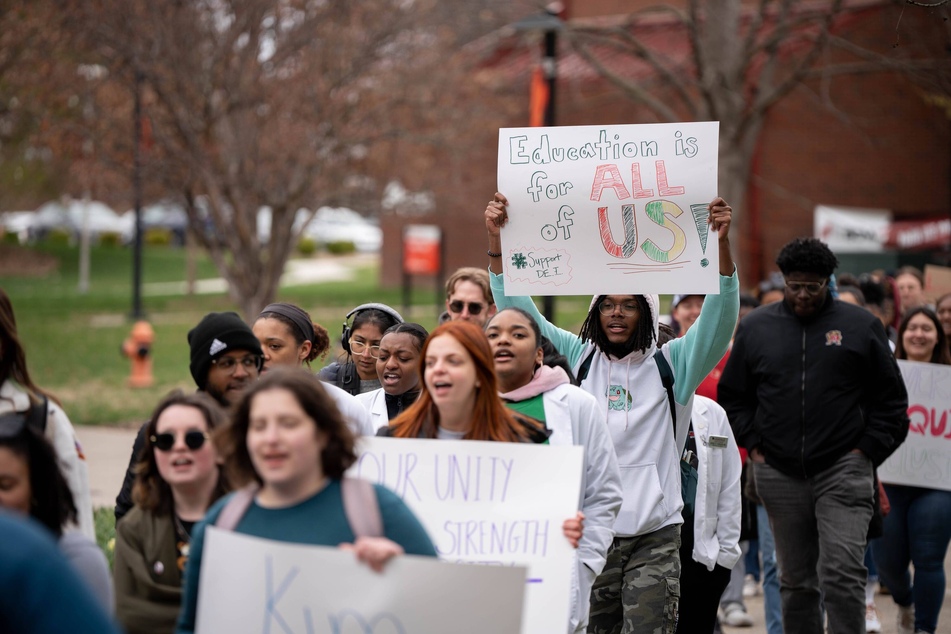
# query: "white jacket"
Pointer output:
{"type": "Point", "coordinates": [375, 404]}
{"type": "Point", "coordinates": [353, 411]}
{"type": "Point", "coordinates": [716, 524]}
{"type": "Point", "coordinates": [575, 418]}
{"type": "Point", "coordinates": [60, 434]}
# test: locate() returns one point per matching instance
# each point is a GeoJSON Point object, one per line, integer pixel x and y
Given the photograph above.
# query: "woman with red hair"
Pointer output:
{"type": "Point", "coordinates": [460, 399]}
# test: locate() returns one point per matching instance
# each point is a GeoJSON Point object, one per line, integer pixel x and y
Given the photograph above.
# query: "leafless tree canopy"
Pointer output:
{"type": "Point", "coordinates": [247, 104]}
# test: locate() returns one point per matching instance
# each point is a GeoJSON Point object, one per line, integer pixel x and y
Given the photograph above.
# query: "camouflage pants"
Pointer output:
{"type": "Point", "coordinates": [639, 589]}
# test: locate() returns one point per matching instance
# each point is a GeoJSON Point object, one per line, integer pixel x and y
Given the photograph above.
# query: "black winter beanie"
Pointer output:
{"type": "Point", "coordinates": [214, 335]}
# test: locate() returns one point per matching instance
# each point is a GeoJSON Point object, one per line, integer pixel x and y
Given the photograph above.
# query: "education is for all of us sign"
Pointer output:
{"type": "Point", "coordinates": [609, 209]}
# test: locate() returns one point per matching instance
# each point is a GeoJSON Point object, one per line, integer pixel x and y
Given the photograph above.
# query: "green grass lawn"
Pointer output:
{"type": "Point", "coordinates": [73, 341]}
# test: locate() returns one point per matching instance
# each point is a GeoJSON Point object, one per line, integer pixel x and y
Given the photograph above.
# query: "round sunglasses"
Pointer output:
{"type": "Point", "coordinates": [194, 439]}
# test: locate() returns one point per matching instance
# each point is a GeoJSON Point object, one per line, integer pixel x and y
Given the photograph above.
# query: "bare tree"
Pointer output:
{"type": "Point", "coordinates": [743, 58]}
{"type": "Point", "coordinates": [252, 104]}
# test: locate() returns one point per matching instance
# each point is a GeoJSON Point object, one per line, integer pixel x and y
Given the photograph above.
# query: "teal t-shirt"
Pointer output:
{"type": "Point", "coordinates": [319, 520]}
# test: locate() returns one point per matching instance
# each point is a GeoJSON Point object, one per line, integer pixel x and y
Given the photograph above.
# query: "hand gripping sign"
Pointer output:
{"type": "Point", "coordinates": [609, 209]}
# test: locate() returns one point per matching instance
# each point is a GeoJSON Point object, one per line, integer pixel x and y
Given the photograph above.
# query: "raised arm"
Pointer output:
{"type": "Point", "coordinates": [695, 354]}
{"type": "Point", "coordinates": [496, 216]}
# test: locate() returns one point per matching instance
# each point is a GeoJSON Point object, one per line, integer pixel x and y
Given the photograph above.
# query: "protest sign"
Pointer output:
{"type": "Point", "coordinates": [924, 459]}
{"type": "Point", "coordinates": [937, 281]}
{"type": "Point", "coordinates": [609, 209]}
{"type": "Point", "coordinates": [490, 503]}
{"type": "Point", "coordinates": [249, 584]}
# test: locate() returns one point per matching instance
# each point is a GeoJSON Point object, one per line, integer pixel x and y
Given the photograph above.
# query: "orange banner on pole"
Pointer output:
{"type": "Point", "coordinates": [538, 99]}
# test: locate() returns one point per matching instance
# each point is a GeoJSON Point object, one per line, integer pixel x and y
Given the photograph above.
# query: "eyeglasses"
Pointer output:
{"type": "Point", "coordinates": [228, 364]}
{"type": "Point", "coordinates": [628, 309]}
{"type": "Point", "coordinates": [359, 347]}
{"type": "Point", "coordinates": [194, 440]}
{"type": "Point", "coordinates": [811, 288]}
{"type": "Point", "coordinates": [456, 307]}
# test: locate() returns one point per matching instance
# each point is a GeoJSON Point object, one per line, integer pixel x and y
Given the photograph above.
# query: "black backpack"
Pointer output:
{"type": "Point", "coordinates": [688, 471]}
{"type": "Point", "coordinates": [35, 417]}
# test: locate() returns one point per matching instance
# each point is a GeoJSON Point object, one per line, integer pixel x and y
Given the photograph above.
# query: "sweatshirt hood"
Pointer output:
{"type": "Point", "coordinates": [545, 378]}
{"type": "Point", "coordinates": [636, 356]}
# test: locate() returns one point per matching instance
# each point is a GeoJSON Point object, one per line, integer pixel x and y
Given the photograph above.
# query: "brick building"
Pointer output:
{"type": "Point", "coordinates": [871, 138]}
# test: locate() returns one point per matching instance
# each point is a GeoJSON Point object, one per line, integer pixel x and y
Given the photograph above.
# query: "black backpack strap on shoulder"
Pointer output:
{"type": "Point", "coordinates": [37, 414]}
{"type": "Point", "coordinates": [667, 378]}
{"type": "Point", "coordinates": [586, 365]}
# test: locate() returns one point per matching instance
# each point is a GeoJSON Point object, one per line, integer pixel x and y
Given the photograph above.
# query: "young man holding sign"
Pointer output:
{"type": "Point", "coordinates": [638, 590]}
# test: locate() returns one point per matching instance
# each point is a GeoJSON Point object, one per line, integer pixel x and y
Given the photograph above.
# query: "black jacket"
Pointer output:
{"type": "Point", "coordinates": [806, 392]}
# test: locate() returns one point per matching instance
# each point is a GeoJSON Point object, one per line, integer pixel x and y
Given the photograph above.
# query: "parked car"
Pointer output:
{"type": "Point", "coordinates": [163, 215]}
{"type": "Point", "coordinates": [339, 224]}
{"type": "Point", "coordinates": [17, 223]}
{"type": "Point", "coordinates": [328, 225]}
{"type": "Point", "coordinates": [70, 218]}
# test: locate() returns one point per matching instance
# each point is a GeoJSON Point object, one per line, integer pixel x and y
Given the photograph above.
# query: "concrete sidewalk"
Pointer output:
{"type": "Point", "coordinates": [107, 451]}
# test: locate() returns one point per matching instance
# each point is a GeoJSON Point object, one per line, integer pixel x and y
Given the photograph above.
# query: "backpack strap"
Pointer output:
{"type": "Point", "coordinates": [37, 414]}
{"type": "Point", "coordinates": [236, 507]}
{"type": "Point", "coordinates": [667, 378]}
{"type": "Point", "coordinates": [585, 366]}
{"type": "Point", "coordinates": [361, 507]}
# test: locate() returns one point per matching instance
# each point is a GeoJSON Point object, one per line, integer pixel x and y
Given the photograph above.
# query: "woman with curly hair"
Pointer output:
{"type": "Point", "coordinates": [178, 477]}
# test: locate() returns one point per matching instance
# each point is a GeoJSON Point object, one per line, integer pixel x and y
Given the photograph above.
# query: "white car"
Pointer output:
{"type": "Point", "coordinates": [330, 224]}
{"type": "Point", "coordinates": [344, 225]}
{"type": "Point", "coordinates": [97, 217]}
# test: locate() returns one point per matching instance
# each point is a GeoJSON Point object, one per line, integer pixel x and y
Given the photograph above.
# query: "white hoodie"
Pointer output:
{"type": "Point", "coordinates": [635, 401]}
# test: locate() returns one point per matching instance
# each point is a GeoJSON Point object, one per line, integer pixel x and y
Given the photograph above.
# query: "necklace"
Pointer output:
{"type": "Point", "coordinates": [182, 543]}
{"type": "Point", "coordinates": [183, 534]}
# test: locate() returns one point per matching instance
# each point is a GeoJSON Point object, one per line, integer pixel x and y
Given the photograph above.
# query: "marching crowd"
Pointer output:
{"type": "Point", "coordinates": [701, 436]}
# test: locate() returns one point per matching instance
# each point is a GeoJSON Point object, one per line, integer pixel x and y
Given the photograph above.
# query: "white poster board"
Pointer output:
{"type": "Point", "coordinates": [609, 209]}
{"type": "Point", "coordinates": [924, 459]}
{"type": "Point", "coordinates": [851, 229]}
{"type": "Point", "coordinates": [249, 584]}
{"type": "Point", "coordinates": [491, 503]}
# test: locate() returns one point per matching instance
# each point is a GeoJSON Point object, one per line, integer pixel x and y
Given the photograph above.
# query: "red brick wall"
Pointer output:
{"type": "Point", "coordinates": [857, 140]}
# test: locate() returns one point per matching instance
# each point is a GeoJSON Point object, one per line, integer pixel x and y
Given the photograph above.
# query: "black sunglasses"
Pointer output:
{"type": "Point", "coordinates": [456, 307]}
{"type": "Point", "coordinates": [194, 439]}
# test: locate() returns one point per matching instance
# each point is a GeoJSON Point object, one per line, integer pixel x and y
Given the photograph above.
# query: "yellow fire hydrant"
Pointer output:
{"type": "Point", "coordinates": [138, 348]}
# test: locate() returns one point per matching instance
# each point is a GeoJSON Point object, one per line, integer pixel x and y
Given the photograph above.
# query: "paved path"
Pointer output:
{"type": "Point", "coordinates": [297, 272]}
{"type": "Point", "coordinates": [107, 452]}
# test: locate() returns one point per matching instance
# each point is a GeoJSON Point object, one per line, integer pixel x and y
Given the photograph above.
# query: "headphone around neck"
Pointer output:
{"type": "Point", "coordinates": [347, 329]}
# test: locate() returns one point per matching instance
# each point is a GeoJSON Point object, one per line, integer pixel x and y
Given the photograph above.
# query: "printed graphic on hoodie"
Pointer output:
{"type": "Point", "coordinates": [618, 398]}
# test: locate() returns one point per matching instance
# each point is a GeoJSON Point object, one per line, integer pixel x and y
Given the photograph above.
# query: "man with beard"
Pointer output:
{"type": "Point", "coordinates": [226, 358]}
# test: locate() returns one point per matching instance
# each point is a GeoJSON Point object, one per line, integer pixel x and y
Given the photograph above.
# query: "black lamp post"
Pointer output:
{"type": "Point", "coordinates": [548, 23]}
{"type": "Point", "coordinates": [137, 195]}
